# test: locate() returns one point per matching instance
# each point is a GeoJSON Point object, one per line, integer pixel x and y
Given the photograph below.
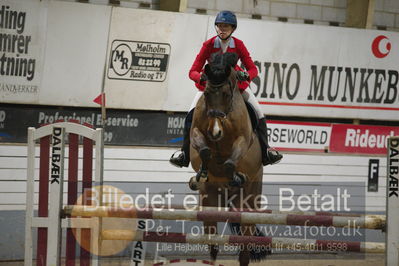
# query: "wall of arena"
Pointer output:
{"type": "Point", "coordinates": [70, 51]}
{"type": "Point", "coordinates": [326, 13]}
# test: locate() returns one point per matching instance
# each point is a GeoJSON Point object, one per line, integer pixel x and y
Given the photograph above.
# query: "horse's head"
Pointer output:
{"type": "Point", "coordinates": [219, 91]}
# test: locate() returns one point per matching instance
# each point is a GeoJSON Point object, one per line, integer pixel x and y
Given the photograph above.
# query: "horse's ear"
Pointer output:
{"type": "Point", "coordinates": [231, 59]}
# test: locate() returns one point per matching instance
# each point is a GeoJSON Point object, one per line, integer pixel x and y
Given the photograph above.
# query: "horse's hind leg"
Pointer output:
{"type": "Point", "coordinates": [255, 251]}
{"type": "Point", "coordinates": [210, 228]}
{"type": "Point", "coordinates": [243, 257]}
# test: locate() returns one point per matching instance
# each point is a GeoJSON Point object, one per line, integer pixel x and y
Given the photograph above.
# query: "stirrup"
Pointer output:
{"type": "Point", "coordinates": [272, 157]}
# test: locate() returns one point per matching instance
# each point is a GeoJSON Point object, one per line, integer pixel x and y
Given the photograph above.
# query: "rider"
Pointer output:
{"type": "Point", "coordinates": [225, 25]}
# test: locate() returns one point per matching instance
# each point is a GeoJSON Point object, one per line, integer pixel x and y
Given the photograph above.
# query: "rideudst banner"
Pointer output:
{"type": "Point", "coordinates": [361, 138]}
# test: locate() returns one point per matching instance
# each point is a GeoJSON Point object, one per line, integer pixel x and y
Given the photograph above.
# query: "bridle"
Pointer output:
{"type": "Point", "coordinates": [217, 113]}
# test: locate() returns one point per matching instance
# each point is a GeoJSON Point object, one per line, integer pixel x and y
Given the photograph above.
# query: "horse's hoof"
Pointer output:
{"type": "Point", "coordinates": [238, 180]}
{"type": "Point", "coordinates": [193, 184]}
{"type": "Point", "coordinates": [202, 176]}
{"type": "Point", "coordinates": [214, 251]}
{"type": "Point", "coordinates": [203, 179]}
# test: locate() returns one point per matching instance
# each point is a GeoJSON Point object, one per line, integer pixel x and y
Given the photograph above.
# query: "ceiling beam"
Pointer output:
{"type": "Point", "coordinates": [173, 5]}
{"type": "Point", "coordinates": [360, 13]}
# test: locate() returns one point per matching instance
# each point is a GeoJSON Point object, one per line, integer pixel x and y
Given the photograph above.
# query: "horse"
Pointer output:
{"type": "Point", "coordinates": [225, 151]}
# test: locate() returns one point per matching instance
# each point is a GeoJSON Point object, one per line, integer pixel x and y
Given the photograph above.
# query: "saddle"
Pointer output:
{"type": "Point", "coordinates": [253, 116]}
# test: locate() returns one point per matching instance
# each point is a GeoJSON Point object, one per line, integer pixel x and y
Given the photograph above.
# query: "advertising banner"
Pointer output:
{"type": "Point", "coordinates": [138, 61]}
{"type": "Point", "coordinates": [150, 128]}
{"type": "Point", "coordinates": [318, 71]}
{"type": "Point", "coordinates": [299, 136]}
{"type": "Point", "coordinates": [52, 52]}
{"type": "Point", "coordinates": [363, 139]}
{"type": "Point", "coordinates": [122, 127]}
{"type": "Point", "coordinates": [149, 54]}
{"type": "Point", "coordinates": [22, 39]}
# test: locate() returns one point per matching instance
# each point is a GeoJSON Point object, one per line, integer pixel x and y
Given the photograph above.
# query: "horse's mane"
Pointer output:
{"type": "Point", "coordinates": [219, 68]}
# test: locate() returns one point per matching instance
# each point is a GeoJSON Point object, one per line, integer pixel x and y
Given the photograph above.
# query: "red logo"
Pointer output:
{"type": "Point", "coordinates": [381, 46]}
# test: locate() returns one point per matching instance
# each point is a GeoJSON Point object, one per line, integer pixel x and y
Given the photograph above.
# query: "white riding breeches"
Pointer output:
{"type": "Point", "coordinates": [248, 96]}
{"type": "Point", "coordinates": [196, 98]}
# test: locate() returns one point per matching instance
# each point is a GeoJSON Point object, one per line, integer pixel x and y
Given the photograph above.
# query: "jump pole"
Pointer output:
{"type": "Point", "coordinates": [210, 208]}
{"type": "Point", "coordinates": [271, 242]}
{"type": "Point", "coordinates": [368, 221]}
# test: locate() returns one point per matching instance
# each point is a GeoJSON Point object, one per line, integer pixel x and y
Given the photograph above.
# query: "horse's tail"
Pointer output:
{"type": "Point", "coordinates": [256, 254]}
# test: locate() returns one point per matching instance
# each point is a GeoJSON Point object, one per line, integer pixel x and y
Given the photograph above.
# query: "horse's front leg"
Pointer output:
{"type": "Point", "coordinates": [238, 149]}
{"type": "Point", "coordinates": [199, 143]}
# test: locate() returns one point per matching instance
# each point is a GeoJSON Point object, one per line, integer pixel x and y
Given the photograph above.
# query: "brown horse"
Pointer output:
{"type": "Point", "coordinates": [225, 151]}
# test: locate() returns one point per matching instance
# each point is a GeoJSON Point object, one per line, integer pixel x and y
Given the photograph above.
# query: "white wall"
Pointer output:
{"type": "Point", "coordinates": [322, 12]}
{"type": "Point", "coordinates": [150, 166]}
{"type": "Point", "coordinates": [76, 48]}
{"type": "Point", "coordinates": [78, 45]}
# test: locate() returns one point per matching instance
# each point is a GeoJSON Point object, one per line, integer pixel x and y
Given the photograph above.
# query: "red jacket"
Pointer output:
{"type": "Point", "coordinates": [213, 46]}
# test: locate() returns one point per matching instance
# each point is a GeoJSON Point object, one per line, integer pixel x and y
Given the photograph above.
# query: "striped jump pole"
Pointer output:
{"type": "Point", "coordinates": [201, 208]}
{"type": "Point", "coordinates": [368, 221]}
{"type": "Point", "coordinates": [249, 241]}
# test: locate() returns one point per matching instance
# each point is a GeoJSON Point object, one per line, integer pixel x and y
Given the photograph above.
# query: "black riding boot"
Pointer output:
{"type": "Point", "coordinates": [183, 159]}
{"type": "Point", "coordinates": [269, 155]}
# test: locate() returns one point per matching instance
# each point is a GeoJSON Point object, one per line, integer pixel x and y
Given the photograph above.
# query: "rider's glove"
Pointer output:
{"type": "Point", "coordinates": [203, 77]}
{"type": "Point", "coordinates": [242, 76]}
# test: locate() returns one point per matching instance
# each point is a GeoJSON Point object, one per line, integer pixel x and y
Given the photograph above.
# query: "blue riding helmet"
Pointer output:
{"type": "Point", "coordinates": [227, 17]}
